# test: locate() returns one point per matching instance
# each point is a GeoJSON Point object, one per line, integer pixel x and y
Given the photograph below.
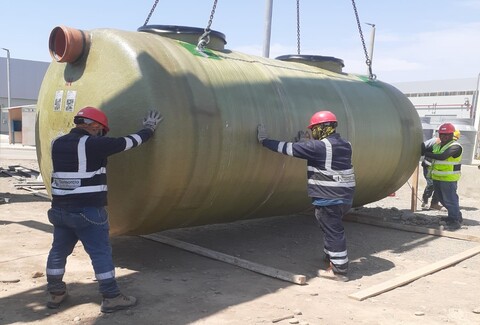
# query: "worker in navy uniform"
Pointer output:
{"type": "Point", "coordinates": [331, 184]}
{"type": "Point", "coordinates": [429, 190]}
{"type": "Point", "coordinates": [445, 170]}
{"type": "Point", "coordinates": [79, 197]}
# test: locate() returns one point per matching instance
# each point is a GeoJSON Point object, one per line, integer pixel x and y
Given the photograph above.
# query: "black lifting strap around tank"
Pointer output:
{"type": "Point", "coordinates": [368, 60]}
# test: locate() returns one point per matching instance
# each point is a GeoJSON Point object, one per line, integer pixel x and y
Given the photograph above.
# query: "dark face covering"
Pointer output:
{"type": "Point", "coordinates": [445, 138]}
{"type": "Point", "coordinates": [321, 131]}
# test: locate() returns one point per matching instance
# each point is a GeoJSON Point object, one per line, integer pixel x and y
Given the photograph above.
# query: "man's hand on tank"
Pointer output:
{"type": "Point", "coordinates": [152, 120]}
{"type": "Point", "coordinates": [261, 133]}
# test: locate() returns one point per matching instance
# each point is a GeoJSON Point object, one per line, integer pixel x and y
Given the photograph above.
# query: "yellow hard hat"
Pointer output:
{"type": "Point", "coordinates": [456, 135]}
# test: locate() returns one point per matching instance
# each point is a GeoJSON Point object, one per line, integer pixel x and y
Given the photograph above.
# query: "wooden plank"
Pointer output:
{"type": "Point", "coordinates": [412, 276]}
{"type": "Point", "coordinates": [413, 205]}
{"type": "Point", "coordinates": [10, 174]}
{"type": "Point", "coordinates": [262, 269]}
{"type": "Point", "coordinates": [365, 219]}
{"type": "Point", "coordinates": [36, 187]}
{"type": "Point", "coordinates": [34, 192]}
{"type": "Point", "coordinates": [279, 319]}
{"type": "Point", "coordinates": [29, 183]}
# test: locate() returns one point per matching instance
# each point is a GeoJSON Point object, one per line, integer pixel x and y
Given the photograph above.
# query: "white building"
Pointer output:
{"type": "Point", "coordinates": [25, 80]}
{"type": "Point", "coordinates": [452, 100]}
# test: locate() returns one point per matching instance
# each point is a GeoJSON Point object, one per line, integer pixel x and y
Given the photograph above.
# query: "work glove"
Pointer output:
{"type": "Point", "coordinates": [261, 133]}
{"type": "Point", "coordinates": [152, 120]}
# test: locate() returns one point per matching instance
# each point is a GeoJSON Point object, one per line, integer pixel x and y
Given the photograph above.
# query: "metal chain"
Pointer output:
{"type": "Point", "coordinates": [151, 12]}
{"type": "Point", "coordinates": [368, 60]}
{"type": "Point", "coordinates": [298, 27]}
{"type": "Point", "coordinates": [205, 38]}
{"type": "Point", "coordinates": [94, 222]}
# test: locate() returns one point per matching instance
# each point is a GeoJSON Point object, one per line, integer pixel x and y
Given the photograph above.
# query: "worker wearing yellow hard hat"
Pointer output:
{"type": "Point", "coordinates": [456, 135]}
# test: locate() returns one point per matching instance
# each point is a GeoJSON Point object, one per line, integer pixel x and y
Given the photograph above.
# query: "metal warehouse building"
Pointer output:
{"type": "Point", "coordinates": [454, 101]}
{"type": "Point", "coordinates": [23, 78]}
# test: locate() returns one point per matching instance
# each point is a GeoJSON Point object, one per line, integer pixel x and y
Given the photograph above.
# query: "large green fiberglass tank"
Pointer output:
{"type": "Point", "coordinates": [204, 164]}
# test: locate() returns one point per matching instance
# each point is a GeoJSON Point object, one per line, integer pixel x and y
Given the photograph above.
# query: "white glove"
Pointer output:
{"type": "Point", "coordinates": [261, 133]}
{"type": "Point", "coordinates": [152, 120]}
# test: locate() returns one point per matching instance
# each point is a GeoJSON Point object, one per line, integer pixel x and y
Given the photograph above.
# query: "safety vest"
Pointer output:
{"type": "Point", "coordinates": [447, 170]}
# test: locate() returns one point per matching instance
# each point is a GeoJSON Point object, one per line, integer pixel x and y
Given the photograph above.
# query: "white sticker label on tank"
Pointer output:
{"type": "Point", "coordinates": [57, 105]}
{"type": "Point", "coordinates": [70, 103]}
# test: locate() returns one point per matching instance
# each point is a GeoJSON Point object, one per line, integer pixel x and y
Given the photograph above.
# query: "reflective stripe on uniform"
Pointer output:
{"type": "Point", "coordinates": [105, 275]}
{"type": "Point", "coordinates": [288, 147]}
{"type": "Point", "coordinates": [445, 162]}
{"type": "Point", "coordinates": [339, 257]}
{"type": "Point", "coordinates": [78, 190]}
{"type": "Point", "coordinates": [55, 271]}
{"type": "Point", "coordinates": [83, 174]}
{"type": "Point", "coordinates": [331, 183]}
{"type": "Point", "coordinates": [331, 172]}
{"type": "Point", "coordinates": [82, 154]}
{"type": "Point", "coordinates": [437, 172]}
{"type": "Point", "coordinates": [328, 154]}
{"type": "Point", "coordinates": [129, 143]}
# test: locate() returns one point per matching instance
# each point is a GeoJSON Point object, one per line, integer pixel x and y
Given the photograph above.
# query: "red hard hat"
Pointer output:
{"type": "Point", "coordinates": [446, 128]}
{"type": "Point", "coordinates": [94, 114]}
{"type": "Point", "coordinates": [322, 117]}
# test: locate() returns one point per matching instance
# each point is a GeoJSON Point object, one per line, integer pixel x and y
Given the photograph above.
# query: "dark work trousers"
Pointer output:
{"type": "Point", "coordinates": [429, 189]}
{"type": "Point", "coordinates": [335, 244]}
{"type": "Point", "coordinates": [447, 194]}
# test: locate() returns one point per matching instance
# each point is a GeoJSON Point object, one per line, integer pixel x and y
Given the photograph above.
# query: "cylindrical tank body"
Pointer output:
{"type": "Point", "coordinates": [204, 164]}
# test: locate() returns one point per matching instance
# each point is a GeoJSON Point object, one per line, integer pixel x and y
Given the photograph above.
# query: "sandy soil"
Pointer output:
{"type": "Point", "coordinates": [178, 287]}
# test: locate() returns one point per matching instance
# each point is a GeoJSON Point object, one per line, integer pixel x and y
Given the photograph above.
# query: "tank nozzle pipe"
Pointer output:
{"type": "Point", "coordinates": [67, 44]}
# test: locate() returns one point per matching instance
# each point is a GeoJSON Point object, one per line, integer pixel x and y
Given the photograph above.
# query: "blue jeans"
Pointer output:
{"type": "Point", "coordinates": [447, 194]}
{"type": "Point", "coordinates": [90, 226]}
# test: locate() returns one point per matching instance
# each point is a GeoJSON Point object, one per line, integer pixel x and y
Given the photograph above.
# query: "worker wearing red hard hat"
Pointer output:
{"type": "Point", "coordinates": [446, 158]}
{"type": "Point", "coordinates": [330, 183]}
{"type": "Point", "coordinates": [79, 197]}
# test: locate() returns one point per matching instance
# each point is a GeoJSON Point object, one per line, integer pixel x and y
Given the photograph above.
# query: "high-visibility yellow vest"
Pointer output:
{"type": "Point", "coordinates": [446, 170]}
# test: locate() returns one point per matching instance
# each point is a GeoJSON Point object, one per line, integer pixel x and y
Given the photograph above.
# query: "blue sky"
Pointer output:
{"type": "Point", "coordinates": [415, 39]}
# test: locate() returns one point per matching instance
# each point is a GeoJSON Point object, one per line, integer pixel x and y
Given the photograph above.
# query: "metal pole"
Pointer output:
{"type": "Point", "coordinates": [476, 118]}
{"type": "Point", "coordinates": [372, 42]}
{"type": "Point", "coordinates": [8, 87]}
{"type": "Point", "coordinates": [268, 28]}
{"type": "Point", "coordinates": [475, 105]}
{"type": "Point", "coordinates": [8, 77]}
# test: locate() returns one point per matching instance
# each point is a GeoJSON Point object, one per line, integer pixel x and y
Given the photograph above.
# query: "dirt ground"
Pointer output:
{"type": "Point", "coordinates": [176, 287]}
